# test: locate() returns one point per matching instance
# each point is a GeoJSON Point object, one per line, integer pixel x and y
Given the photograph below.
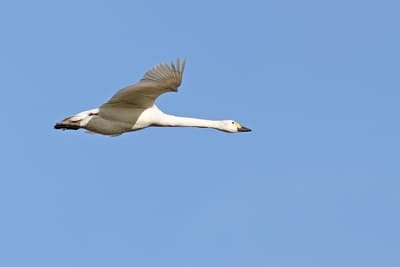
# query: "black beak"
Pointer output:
{"type": "Point", "coordinates": [244, 129]}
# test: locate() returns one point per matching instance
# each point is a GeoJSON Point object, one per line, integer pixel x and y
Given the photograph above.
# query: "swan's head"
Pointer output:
{"type": "Point", "coordinates": [231, 126]}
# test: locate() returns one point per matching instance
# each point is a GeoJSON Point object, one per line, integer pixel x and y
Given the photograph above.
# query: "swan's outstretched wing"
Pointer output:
{"type": "Point", "coordinates": [158, 80]}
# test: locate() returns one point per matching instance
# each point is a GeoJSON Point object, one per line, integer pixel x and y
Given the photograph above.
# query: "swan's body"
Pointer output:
{"type": "Point", "coordinates": [132, 108]}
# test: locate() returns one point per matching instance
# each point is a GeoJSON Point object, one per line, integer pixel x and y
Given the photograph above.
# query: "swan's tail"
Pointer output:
{"type": "Point", "coordinates": [75, 122]}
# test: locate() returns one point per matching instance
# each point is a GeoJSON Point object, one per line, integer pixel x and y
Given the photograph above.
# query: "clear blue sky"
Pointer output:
{"type": "Point", "coordinates": [315, 184]}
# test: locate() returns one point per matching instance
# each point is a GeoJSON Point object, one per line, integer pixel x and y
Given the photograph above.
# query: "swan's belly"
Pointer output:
{"type": "Point", "coordinates": [117, 120]}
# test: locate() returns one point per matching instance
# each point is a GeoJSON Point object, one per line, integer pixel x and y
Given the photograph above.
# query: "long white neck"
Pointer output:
{"type": "Point", "coordinates": [176, 121]}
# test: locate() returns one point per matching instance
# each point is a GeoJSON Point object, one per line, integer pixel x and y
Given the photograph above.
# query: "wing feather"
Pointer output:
{"type": "Point", "coordinates": [158, 80]}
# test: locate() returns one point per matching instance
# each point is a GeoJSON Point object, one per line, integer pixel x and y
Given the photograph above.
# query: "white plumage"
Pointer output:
{"type": "Point", "coordinates": [133, 107]}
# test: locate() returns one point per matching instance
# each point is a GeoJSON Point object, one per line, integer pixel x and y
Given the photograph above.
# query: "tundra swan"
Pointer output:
{"type": "Point", "coordinates": [132, 108]}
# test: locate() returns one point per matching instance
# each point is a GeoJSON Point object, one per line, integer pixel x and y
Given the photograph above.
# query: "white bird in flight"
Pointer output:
{"type": "Point", "coordinates": [132, 108]}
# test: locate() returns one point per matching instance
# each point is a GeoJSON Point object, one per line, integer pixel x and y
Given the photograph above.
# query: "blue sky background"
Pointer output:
{"type": "Point", "coordinates": [315, 184]}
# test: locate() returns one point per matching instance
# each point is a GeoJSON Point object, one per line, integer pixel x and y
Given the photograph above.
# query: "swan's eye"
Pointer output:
{"type": "Point", "coordinates": [233, 122]}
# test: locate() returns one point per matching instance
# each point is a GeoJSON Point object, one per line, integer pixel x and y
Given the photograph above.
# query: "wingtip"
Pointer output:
{"type": "Point", "coordinates": [183, 63]}
{"type": "Point", "coordinates": [180, 64]}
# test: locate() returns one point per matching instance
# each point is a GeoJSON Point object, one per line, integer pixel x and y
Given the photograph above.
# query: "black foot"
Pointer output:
{"type": "Point", "coordinates": [66, 126]}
